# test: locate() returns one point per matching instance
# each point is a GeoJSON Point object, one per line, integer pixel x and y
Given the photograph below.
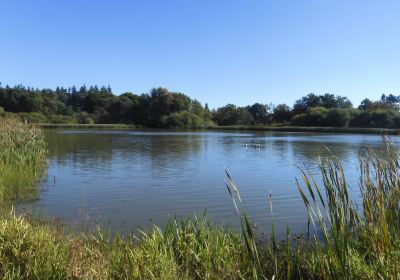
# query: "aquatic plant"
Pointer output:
{"type": "Point", "coordinates": [22, 159]}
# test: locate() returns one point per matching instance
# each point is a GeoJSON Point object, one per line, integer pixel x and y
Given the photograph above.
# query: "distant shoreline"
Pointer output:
{"type": "Point", "coordinates": [88, 126]}
{"type": "Point", "coordinates": [346, 130]}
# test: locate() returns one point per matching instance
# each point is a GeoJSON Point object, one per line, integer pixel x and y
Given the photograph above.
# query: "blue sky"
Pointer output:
{"type": "Point", "coordinates": [218, 51]}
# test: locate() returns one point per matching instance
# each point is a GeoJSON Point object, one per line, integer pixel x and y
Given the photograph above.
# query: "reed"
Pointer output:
{"type": "Point", "coordinates": [22, 157]}
{"type": "Point", "coordinates": [89, 126]}
{"type": "Point", "coordinates": [357, 242]}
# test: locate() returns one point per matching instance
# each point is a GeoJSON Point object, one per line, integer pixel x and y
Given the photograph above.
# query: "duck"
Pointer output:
{"type": "Point", "coordinates": [252, 145]}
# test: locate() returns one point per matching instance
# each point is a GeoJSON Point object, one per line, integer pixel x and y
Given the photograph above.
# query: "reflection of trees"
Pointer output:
{"type": "Point", "coordinates": [83, 148]}
{"type": "Point", "coordinates": [167, 150]}
{"type": "Point", "coordinates": [309, 151]}
{"type": "Point", "coordinates": [97, 148]}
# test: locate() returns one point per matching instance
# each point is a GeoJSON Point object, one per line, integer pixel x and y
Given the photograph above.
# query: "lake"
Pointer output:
{"type": "Point", "coordinates": [127, 179]}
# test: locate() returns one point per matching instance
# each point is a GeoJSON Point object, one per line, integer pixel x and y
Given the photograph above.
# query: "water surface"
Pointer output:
{"type": "Point", "coordinates": [128, 179]}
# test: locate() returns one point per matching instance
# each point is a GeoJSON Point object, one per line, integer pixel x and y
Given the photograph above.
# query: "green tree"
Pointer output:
{"type": "Point", "coordinates": [366, 104]}
{"type": "Point", "coordinates": [259, 113]}
{"type": "Point", "coordinates": [282, 113]}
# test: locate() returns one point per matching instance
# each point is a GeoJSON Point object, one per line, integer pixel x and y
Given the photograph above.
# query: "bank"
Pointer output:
{"type": "Point", "coordinates": [345, 130]}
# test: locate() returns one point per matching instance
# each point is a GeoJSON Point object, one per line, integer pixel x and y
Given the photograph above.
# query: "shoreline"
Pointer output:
{"type": "Point", "coordinates": [333, 130]}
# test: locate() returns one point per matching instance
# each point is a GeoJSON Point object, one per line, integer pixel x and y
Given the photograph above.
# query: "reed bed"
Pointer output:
{"type": "Point", "coordinates": [89, 126]}
{"type": "Point", "coordinates": [348, 241]}
{"type": "Point", "coordinates": [22, 159]}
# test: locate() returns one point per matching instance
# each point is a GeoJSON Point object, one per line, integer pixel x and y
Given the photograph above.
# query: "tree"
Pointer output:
{"type": "Point", "coordinates": [83, 90]}
{"type": "Point", "coordinates": [160, 103]}
{"type": "Point", "coordinates": [245, 117]}
{"type": "Point", "coordinates": [207, 114]}
{"type": "Point", "coordinates": [366, 104]}
{"type": "Point", "coordinates": [328, 101]}
{"type": "Point", "coordinates": [343, 102]}
{"type": "Point", "coordinates": [390, 99]}
{"type": "Point", "coordinates": [306, 102]}
{"type": "Point", "coordinates": [180, 102]}
{"type": "Point", "coordinates": [313, 117]}
{"type": "Point", "coordinates": [337, 117]}
{"type": "Point", "coordinates": [281, 113]}
{"type": "Point", "coordinates": [30, 103]}
{"type": "Point", "coordinates": [259, 113]}
{"type": "Point", "coordinates": [227, 115]}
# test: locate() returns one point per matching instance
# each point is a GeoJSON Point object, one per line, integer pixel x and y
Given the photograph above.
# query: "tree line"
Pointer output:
{"type": "Point", "coordinates": [161, 108]}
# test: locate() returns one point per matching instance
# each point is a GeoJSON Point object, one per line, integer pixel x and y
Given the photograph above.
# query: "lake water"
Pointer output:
{"type": "Point", "coordinates": [126, 179]}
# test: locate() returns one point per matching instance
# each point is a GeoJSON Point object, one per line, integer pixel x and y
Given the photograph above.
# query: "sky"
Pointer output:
{"type": "Point", "coordinates": [217, 51]}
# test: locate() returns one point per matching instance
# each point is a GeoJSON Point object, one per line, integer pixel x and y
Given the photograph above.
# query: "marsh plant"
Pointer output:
{"type": "Point", "coordinates": [22, 159]}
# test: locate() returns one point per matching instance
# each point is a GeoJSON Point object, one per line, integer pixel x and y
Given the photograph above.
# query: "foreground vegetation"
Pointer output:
{"type": "Point", "coordinates": [349, 242]}
{"type": "Point", "coordinates": [22, 157]}
{"type": "Point", "coordinates": [161, 108]}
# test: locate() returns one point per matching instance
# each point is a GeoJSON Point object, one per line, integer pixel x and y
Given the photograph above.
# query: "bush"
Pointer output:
{"type": "Point", "coordinates": [31, 117]}
{"type": "Point", "coordinates": [182, 119]}
{"type": "Point", "coordinates": [337, 118]}
{"type": "Point", "coordinates": [375, 118]}
{"type": "Point", "coordinates": [312, 117]}
{"type": "Point", "coordinates": [88, 120]}
{"type": "Point", "coordinates": [359, 119]}
{"type": "Point", "coordinates": [320, 116]}
{"type": "Point", "coordinates": [84, 118]}
{"type": "Point", "coordinates": [62, 119]}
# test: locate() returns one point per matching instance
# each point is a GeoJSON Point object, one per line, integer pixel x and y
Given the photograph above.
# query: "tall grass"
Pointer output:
{"type": "Point", "coordinates": [349, 241]}
{"type": "Point", "coordinates": [357, 242]}
{"type": "Point", "coordinates": [22, 156]}
{"type": "Point", "coordinates": [88, 126]}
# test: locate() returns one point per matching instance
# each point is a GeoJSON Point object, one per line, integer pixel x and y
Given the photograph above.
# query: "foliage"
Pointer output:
{"type": "Point", "coordinates": [321, 116]}
{"type": "Point", "coordinates": [282, 114]}
{"type": "Point", "coordinates": [183, 119]}
{"type": "Point", "coordinates": [94, 105]}
{"type": "Point", "coordinates": [260, 113]}
{"type": "Point", "coordinates": [161, 108]}
{"type": "Point", "coordinates": [327, 101]}
{"type": "Point", "coordinates": [231, 115]}
{"type": "Point", "coordinates": [376, 118]}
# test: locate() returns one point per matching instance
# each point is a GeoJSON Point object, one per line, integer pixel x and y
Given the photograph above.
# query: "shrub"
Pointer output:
{"type": "Point", "coordinates": [62, 119]}
{"type": "Point", "coordinates": [337, 118]}
{"type": "Point", "coordinates": [375, 118]}
{"type": "Point", "coordinates": [182, 119]}
{"type": "Point", "coordinates": [320, 116]}
{"type": "Point", "coordinates": [33, 117]}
